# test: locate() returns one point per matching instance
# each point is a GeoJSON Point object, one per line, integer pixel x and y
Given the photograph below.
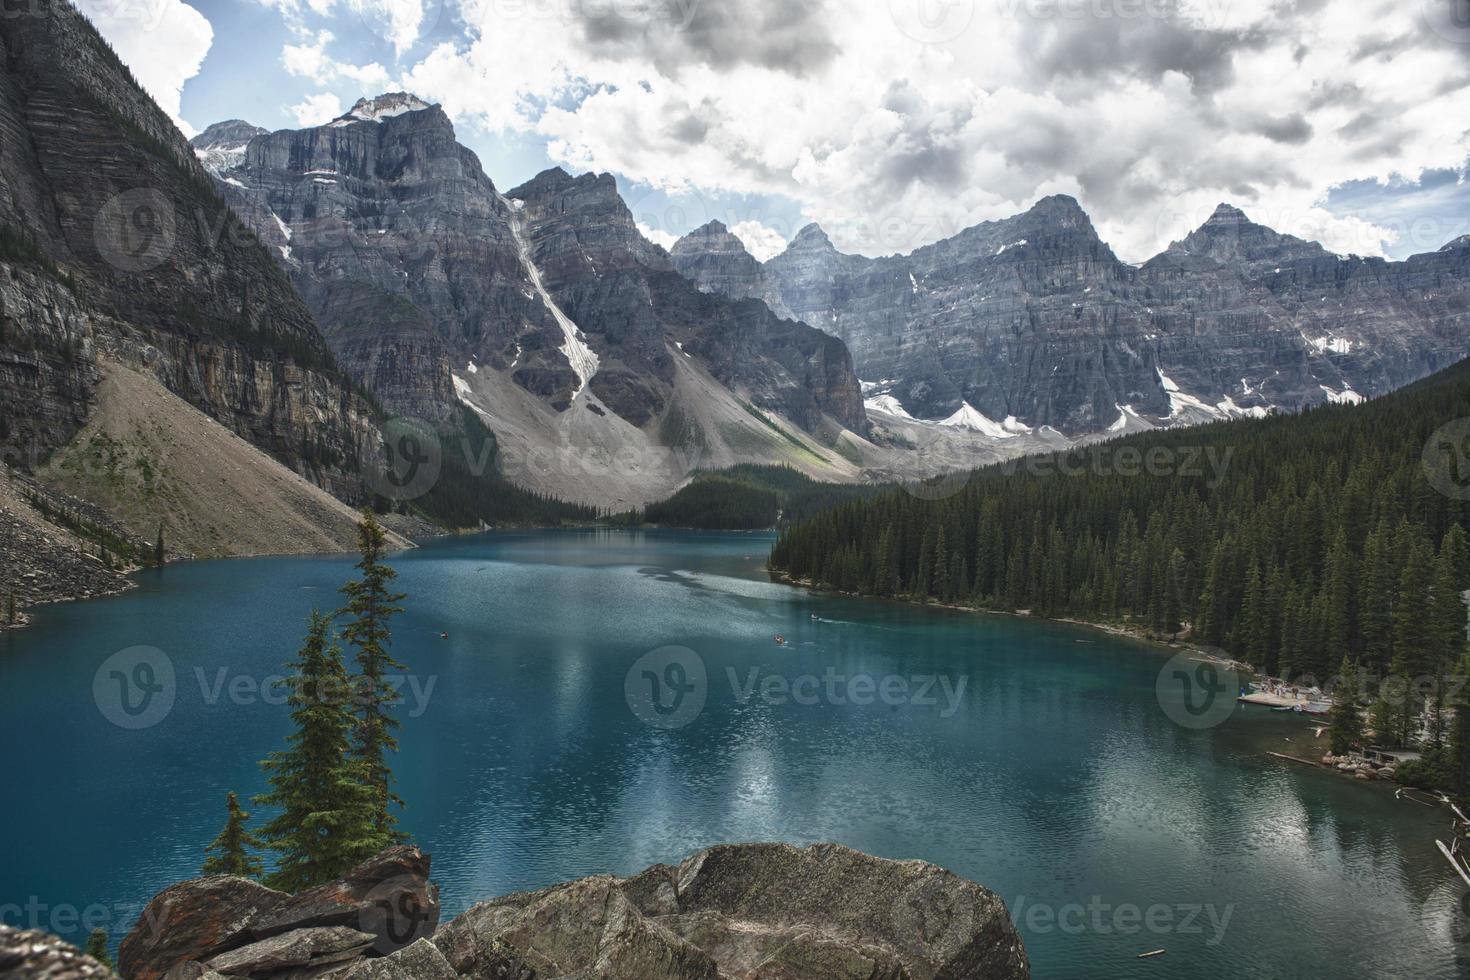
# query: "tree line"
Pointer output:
{"type": "Point", "coordinates": [747, 497]}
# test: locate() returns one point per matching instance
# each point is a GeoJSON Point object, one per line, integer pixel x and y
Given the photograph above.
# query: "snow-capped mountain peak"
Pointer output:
{"type": "Point", "coordinates": [381, 107]}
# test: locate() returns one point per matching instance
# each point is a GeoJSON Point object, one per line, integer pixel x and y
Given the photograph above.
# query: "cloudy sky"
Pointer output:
{"type": "Point", "coordinates": [891, 122]}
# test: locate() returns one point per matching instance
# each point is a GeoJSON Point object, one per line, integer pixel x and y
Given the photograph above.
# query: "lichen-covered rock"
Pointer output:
{"type": "Point", "coordinates": [382, 905]}
{"type": "Point", "coordinates": [388, 896]}
{"type": "Point", "coordinates": [28, 954]}
{"type": "Point", "coordinates": [194, 920]}
{"type": "Point", "coordinates": [299, 949]}
{"type": "Point", "coordinates": [767, 911]}
{"type": "Point", "coordinates": [421, 960]}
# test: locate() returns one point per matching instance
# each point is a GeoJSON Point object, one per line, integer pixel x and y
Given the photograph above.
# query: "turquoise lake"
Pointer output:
{"type": "Point", "coordinates": [1046, 767]}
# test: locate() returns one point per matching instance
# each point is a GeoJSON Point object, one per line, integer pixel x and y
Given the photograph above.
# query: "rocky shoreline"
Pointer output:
{"type": "Point", "coordinates": [732, 912]}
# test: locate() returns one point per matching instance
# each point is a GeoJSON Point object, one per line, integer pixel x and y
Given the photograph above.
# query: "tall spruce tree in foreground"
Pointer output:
{"type": "Point", "coordinates": [370, 604]}
{"type": "Point", "coordinates": [326, 815]}
{"type": "Point", "coordinates": [229, 853]}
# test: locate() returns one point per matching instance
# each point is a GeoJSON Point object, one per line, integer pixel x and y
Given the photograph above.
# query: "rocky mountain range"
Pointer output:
{"type": "Point", "coordinates": [1032, 321]}
{"type": "Point", "coordinates": [542, 309]}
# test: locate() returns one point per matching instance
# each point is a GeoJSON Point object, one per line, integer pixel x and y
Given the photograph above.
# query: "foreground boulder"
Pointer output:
{"type": "Point", "coordinates": [192, 921]}
{"type": "Point", "coordinates": [754, 912]}
{"type": "Point", "coordinates": [236, 927]}
{"type": "Point", "coordinates": [737, 912]}
{"type": "Point", "coordinates": [27, 954]}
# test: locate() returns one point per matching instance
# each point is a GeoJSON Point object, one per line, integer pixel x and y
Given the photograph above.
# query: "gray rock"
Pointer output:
{"type": "Point", "coordinates": [717, 262]}
{"type": "Point", "coordinates": [388, 897]}
{"type": "Point", "coordinates": [28, 954]}
{"type": "Point", "coordinates": [757, 910]}
{"type": "Point", "coordinates": [419, 961]}
{"type": "Point", "coordinates": [194, 920]}
{"type": "Point", "coordinates": [382, 905]}
{"type": "Point", "coordinates": [305, 949]}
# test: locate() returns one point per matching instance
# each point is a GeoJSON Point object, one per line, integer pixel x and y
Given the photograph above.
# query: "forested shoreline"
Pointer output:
{"type": "Point", "coordinates": [1294, 543]}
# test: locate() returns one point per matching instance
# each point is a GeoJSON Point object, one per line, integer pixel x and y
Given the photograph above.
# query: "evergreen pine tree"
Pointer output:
{"type": "Point", "coordinates": [370, 604]}
{"type": "Point", "coordinates": [941, 567]}
{"type": "Point", "coordinates": [229, 853]}
{"type": "Point", "coordinates": [97, 944]}
{"type": "Point", "coordinates": [326, 822]}
{"type": "Point", "coordinates": [158, 554]}
{"type": "Point", "coordinates": [1413, 637]}
{"type": "Point", "coordinates": [1447, 643]}
{"type": "Point", "coordinates": [1345, 720]}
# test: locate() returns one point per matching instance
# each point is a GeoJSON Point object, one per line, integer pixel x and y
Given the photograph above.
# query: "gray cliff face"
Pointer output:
{"type": "Point", "coordinates": [120, 245]}
{"type": "Point", "coordinates": [402, 248]}
{"type": "Point", "coordinates": [1035, 317]}
{"type": "Point", "coordinates": [625, 294]}
{"type": "Point", "coordinates": [717, 262]}
{"type": "Point", "coordinates": [417, 268]}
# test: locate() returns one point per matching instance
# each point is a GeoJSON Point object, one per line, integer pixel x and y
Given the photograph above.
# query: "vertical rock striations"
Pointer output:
{"type": "Point", "coordinates": [1034, 318]}
{"type": "Point", "coordinates": [115, 241]}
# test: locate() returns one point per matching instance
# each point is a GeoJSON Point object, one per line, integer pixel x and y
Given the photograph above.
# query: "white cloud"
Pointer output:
{"type": "Point", "coordinates": [310, 60]}
{"type": "Point", "coordinates": [400, 22]}
{"type": "Point", "coordinates": [316, 109]}
{"type": "Point", "coordinates": [758, 239]}
{"type": "Point", "coordinates": [657, 235]}
{"type": "Point", "coordinates": [1149, 119]}
{"type": "Point", "coordinates": [139, 32]}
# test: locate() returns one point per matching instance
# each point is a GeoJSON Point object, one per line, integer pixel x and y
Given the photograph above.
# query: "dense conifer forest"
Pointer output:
{"type": "Point", "coordinates": [749, 497]}
{"type": "Point", "coordinates": [1296, 543]}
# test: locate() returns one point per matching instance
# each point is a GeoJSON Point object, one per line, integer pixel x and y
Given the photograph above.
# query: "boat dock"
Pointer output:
{"type": "Point", "coordinates": [1296, 702]}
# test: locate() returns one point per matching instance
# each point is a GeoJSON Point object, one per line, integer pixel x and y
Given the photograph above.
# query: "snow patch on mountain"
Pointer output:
{"type": "Point", "coordinates": [1337, 345]}
{"type": "Point", "coordinates": [1181, 401]}
{"type": "Point", "coordinates": [1345, 397]}
{"type": "Point", "coordinates": [970, 417]}
{"type": "Point", "coordinates": [887, 404]}
{"type": "Point", "coordinates": [379, 108]}
{"type": "Point", "coordinates": [574, 348]}
{"type": "Point", "coordinates": [1129, 420]}
{"type": "Point", "coordinates": [1230, 408]}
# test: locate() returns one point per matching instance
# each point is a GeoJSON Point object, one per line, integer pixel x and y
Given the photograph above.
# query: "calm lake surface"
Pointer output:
{"type": "Point", "coordinates": [1054, 777]}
